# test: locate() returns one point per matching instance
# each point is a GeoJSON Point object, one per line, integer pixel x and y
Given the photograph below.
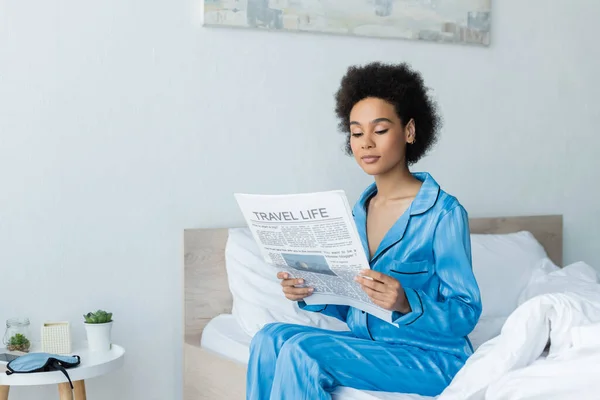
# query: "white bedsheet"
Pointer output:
{"type": "Point", "coordinates": [224, 336]}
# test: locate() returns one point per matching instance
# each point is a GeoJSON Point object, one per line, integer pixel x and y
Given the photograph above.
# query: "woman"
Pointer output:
{"type": "Point", "coordinates": [417, 240]}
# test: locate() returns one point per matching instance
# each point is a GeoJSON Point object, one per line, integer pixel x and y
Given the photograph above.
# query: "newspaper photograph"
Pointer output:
{"type": "Point", "coordinates": [312, 236]}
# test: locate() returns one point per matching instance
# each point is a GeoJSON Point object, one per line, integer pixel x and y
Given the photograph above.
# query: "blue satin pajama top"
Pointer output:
{"type": "Point", "coordinates": [428, 249]}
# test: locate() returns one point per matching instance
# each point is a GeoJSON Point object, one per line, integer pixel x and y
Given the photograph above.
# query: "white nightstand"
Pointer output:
{"type": "Point", "coordinates": [92, 365]}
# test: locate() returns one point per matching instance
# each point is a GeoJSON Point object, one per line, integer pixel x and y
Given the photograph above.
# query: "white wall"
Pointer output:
{"type": "Point", "coordinates": [124, 122]}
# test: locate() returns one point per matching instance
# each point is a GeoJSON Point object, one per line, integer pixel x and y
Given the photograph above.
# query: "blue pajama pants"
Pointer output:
{"type": "Point", "coordinates": [295, 362]}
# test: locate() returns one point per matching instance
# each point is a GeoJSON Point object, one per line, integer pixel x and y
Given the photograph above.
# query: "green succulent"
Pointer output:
{"type": "Point", "coordinates": [18, 342]}
{"type": "Point", "coordinates": [98, 317]}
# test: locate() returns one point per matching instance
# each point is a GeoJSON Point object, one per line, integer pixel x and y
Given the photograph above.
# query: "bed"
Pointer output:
{"type": "Point", "coordinates": [216, 349]}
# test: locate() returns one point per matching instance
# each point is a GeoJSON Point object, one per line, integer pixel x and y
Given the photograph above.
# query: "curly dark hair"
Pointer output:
{"type": "Point", "coordinates": [399, 85]}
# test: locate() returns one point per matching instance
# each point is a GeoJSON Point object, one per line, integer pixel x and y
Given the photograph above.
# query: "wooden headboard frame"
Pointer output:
{"type": "Point", "coordinates": [206, 290]}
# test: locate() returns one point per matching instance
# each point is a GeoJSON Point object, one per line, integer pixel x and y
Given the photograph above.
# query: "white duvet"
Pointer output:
{"type": "Point", "coordinates": [560, 307]}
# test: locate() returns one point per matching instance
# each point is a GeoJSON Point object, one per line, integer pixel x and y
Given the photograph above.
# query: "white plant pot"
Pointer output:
{"type": "Point", "coordinates": [99, 336]}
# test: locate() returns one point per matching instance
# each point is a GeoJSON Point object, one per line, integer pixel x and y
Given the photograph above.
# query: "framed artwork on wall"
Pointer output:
{"type": "Point", "coordinates": [445, 21]}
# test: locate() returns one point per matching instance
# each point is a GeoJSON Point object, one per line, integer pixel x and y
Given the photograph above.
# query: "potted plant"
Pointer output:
{"type": "Point", "coordinates": [18, 342]}
{"type": "Point", "coordinates": [98, 326]}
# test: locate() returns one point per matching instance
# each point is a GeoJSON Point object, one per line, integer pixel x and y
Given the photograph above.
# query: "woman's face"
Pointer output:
{"type": "Point", "coordinates": [377, 137]}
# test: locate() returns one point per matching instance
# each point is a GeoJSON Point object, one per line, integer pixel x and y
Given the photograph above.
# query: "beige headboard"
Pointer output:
{"type": "Point", "coordinates": [206, 291]}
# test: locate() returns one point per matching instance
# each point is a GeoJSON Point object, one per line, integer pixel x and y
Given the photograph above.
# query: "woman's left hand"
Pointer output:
{"type": "Point", "coordinates": [384, 291]}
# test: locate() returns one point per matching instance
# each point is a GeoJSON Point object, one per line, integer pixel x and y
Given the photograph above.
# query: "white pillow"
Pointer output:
{"type": "Point", "coordinates": [257, 295]}
{"type": "Point", "coordinates": [487, 328]}
{"type": "Point", "coordinates": [503, 265]}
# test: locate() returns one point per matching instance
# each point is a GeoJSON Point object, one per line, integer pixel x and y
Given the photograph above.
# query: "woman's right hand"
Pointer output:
{"type": "Point", "coordinates": [291, 292]}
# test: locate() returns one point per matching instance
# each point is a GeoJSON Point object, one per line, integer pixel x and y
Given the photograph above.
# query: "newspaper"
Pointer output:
{"type": "Point", "coordinates": [312, 236]}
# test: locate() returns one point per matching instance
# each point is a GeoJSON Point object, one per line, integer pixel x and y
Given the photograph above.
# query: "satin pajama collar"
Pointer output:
{"type": "Point", "coordinates": [424, 200]}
